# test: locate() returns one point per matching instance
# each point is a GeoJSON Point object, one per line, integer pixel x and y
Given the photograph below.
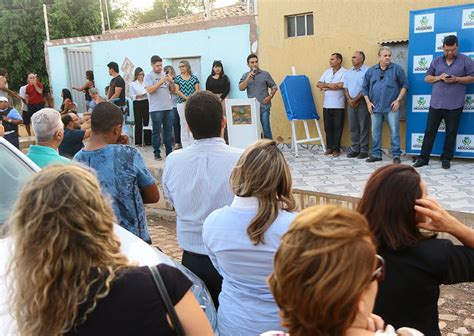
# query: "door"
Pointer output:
{"type": "Point", "coordinates": [195, 63]}
{"type": "Point", "coordinates": [79, 60]}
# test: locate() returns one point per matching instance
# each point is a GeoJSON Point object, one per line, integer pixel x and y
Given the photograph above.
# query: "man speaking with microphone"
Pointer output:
{"type": "Point", "coordinates": [257, 82]}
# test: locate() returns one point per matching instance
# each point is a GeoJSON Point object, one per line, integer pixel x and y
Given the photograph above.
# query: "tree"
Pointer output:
{"type": "Point", "coordinates": [163, 9]}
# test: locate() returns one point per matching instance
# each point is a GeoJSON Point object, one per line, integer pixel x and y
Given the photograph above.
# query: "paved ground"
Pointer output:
{"type": "Point", "coordinates": [456, 304]}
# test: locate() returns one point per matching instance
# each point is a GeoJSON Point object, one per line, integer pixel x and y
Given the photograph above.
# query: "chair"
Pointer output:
{"type": "Point", "coordinates": [149, 128]}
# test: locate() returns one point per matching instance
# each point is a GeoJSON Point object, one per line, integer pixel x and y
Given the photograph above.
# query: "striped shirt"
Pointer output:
{"type": "Point", "coordinates": [196, 180]}
{"type": "Point", "coordinates": [186, 86]}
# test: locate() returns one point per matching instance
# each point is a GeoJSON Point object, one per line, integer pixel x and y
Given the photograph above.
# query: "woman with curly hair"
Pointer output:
{"type": "Point", "coordinates": [326, 275]}
{"type": "Point", "coordinates": [69, 276]}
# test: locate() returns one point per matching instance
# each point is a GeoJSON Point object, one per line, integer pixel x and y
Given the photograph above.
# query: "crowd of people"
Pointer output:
{"type": "Point", "coordinates": [373, 95]}
{"type": "Point", "coordinates": [324, 271]}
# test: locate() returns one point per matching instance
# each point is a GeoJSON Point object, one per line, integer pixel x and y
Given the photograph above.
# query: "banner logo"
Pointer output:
{"type": "Point", "coordinates": [417, 141]}
{"type": "Point", "coordinates": [465, 143]}
{"type": "Point", "coordinates": [468, 18]}
{"type": "Point", "coordinates": [440, 39]}
{"type": "Point", "coordinates": [424, 23]}
{"type": "Point", "coordinates": [442, 126]}
{"type": "Point", "coordinates": [469, 54]}
{"type": "Point", "coordinates": [421, 103]}
{"type": "Point", "coordinates": [469, 103]}
{"type": "Point", "coordinates": [421, 63]}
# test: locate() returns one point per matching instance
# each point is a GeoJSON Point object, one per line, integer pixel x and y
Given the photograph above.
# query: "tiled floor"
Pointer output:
{"type": "Point", "coordinates": [313, 171]}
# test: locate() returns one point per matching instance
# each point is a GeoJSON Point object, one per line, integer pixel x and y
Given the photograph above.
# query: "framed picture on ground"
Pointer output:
{"type": "Point", "coordinates": [243, 121]}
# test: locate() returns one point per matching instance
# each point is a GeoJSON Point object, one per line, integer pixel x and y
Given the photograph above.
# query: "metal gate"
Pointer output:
{"type": "Point", "coordinates": [79, 60]}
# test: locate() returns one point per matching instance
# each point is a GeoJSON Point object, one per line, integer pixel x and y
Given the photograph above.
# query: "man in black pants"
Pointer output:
{"type": "Point", "coordinates": [196, 182]}
{"type": "Point", "coordinates": [450, 74]}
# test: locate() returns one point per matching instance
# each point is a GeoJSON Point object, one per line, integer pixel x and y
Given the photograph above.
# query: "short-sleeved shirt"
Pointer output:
{"type": "Point", "coordinates": [259, 85]}
{"type": "Point", "coordinates": [119, 83]}
{"type": "Point", "coordinates": [450, 96]}
{"type": "Point", "coordinates": [134, 305]}
{"type": "Point", "coordinates": [72, 142]}
{"type": "Point", "coordinates": [22, 94]}
{"type": "Point", "coordinates": [34, 97]}
{"type": "Point", "coordinates": [122, 172]}
{"type": "Point", "coordinates": [333, 98]}
{"type": "Point", "coordinates": [354, 79]}
{"type": "Point", "coordinates": [44, 156]}
{"type": "Point", "coordinates": [160, 100]}
{"type": "Point", "coordinates": [186, 86]}
{"type": "Point", "coordinates": [383, 86]}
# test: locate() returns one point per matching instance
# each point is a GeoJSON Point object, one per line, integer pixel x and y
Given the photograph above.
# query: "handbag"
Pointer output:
{"type": "Point", "coordinates": [160, 285]}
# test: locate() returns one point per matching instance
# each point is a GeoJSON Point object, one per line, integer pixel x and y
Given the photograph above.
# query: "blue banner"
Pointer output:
{"type": "Point", "coordinates": [428, 28]}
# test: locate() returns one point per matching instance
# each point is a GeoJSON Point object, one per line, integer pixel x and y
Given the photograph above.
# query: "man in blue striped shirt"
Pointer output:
{"type": "Point", "coordinates": [196, 181]}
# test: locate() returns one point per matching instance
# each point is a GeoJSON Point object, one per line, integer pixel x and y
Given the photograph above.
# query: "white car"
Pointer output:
{"type": "Point", "coordinates": [15, 170]}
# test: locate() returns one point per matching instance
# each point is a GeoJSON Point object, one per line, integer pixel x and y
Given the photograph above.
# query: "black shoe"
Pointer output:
{"type": "Point", "coordinates": [352, 154]}
{"type": "Point", "coordinates": [373, 159]}
{"type": "Point", "coordinates": [396, 160]}
{"type": "Point", "coordinates": [420, 163]}
{"type": "Point", "coordinates": [158, 158]}
{"type": "Point", "coordinates": [445, 164]}
{"type": "Point", "coordinates": [362, 155]}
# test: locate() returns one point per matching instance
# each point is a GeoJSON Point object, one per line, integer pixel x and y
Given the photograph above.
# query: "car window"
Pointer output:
{"type": "Point", "coordinates": [13, 175]}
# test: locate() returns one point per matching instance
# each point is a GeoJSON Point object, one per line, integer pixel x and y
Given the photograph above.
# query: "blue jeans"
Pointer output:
{"type": "Point", "coordinates": [165, 118]}
{"type": "Point", "coordinates": [265, 119]}
{"type": "Point", "coordinates": [393, 121]}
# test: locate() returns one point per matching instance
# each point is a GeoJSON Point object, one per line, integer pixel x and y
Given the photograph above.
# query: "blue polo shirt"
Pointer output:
{"type": "Point", "coordinates": [383, 86]}
{"type": "Point", "coordinates": [43, 156]}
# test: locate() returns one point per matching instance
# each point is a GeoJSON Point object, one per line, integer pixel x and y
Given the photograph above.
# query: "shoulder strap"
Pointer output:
{"type": "Point", "coordinates": [160, 285]}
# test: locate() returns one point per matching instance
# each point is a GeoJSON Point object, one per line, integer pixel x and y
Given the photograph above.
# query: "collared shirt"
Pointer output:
{"type": "Point", "coordinates": [122, 173]}
{"type": "Point", "coordinates": [450, 96]}
{"type": "Point", "coordinates": [12, 114]}
{"type": "Point", "coordinates": [43, 156]}
{"type": "Point", "coordinates": [246, 304]}
{"type": "Point", "coordinates": [160, 100]}
{"type": "Point", "coordinates": [259, 85]}
{"type": "Point", "coordinates": [72, 142]}
{"type": "Point", "coordinates": [354, 79]}
{"type": "Point", "coordinates": [383, 86]}
{"type": "Point", "coordinates": [135, 89]}
{"type": "Point", "coordinates": [333, 98]}
{"type": "Point", "coordinates": [196, 181]}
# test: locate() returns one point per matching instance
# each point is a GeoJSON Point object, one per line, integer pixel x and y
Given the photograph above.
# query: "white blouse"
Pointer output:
{"type": "Point", "coordinates": [136, 88]}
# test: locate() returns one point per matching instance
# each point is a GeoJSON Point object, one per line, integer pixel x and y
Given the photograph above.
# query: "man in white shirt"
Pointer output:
{"type": "Point", "coordinates": [196, 181]}
{"type": "Point", "coordinates": [332, 83]}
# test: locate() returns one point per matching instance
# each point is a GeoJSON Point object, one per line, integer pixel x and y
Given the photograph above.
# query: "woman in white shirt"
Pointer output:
{"type": "Point", "coordinates": [241, 239]}
{"type": "Point", "coordinates": [139, 96]}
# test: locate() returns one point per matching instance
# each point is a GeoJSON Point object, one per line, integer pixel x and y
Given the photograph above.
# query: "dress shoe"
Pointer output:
{"type": "Point", "coordinates": [336, 153]}
{"type": "Point", "coordinates": [445, 164]}
{"type": "Point", "coordinates": [177, 146]}
{"type": "Point", "coordinates": [353, 154]}
{"type": "Point", "coordinates": [328, 152]}
{"type": "Point", "coordinates": [373, 159]}
{"type": "Point", "coordinates": [420, 163]}
{"type": "Point", "coordinates": [396, 160]}
{"type": "Point", "coordinates": [362, 155]}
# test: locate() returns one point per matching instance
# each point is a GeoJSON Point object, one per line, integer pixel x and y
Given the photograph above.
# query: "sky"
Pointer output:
{"type": "Point", "coordinates": [146, 4]}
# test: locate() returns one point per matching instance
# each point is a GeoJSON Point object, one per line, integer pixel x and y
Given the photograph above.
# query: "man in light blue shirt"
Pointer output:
{"type": "Point", "coordinates": [49, 133]}
{"type": "Point", "coordinates": [385, 85]}
{"type": "Point", "coordinates": [359, 118]}
{"type": "Point", "coordinates": [196, 181]}
{"type": "Point", "coordinates": [159, 87]}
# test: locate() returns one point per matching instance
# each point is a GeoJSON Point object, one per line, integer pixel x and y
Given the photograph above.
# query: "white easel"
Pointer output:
{"type": "Point", "coordinates": [294, 140]}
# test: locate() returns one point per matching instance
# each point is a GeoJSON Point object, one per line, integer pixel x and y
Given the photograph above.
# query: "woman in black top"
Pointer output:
{"type": "Point", "coordinates": [219, 84]}
{"type": "Point", "coordinates": [69, 274]}
{"type": "Point", "coordinates": [85, 88]}
{"type": "Point", "coordinates": [396, 206]}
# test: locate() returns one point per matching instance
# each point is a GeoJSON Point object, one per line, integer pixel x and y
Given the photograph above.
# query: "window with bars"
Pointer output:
{"type": "Point", "coordinates": [299, 25]}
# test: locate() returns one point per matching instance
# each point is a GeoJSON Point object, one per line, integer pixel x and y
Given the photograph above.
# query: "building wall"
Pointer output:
{"type": "Point", "coordinates": [229, 44]}
{"type": "Point", "coordinates": [342, 26]}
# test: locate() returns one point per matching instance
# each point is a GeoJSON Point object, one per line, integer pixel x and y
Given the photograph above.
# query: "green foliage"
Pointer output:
{"type": "Point", "coordinates": [158, 12]}
{"type": "Point", "coordinates": [23, 31]}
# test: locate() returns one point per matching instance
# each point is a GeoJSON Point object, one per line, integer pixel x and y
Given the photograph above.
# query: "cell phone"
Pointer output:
{"type": "Point", "coordinates": [449, 76]}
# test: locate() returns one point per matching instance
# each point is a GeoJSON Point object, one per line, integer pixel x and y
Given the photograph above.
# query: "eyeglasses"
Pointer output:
{"type": "Point", "coordinates": [379, 272]}
{"type": "Point", "coordinates": [141, 74]}
{"type": "Point", "coordinates": [181, 66]}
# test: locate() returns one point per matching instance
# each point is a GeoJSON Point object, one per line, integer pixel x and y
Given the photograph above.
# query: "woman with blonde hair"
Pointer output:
{"type": "Point", "coordinates": [187, 85]}
{"type": "Point", "coordinates": [326, 275]}
{"type": "Point", "coordinates": [241, 239]}
{"type": "Point", "coordinates": [69, 276]}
